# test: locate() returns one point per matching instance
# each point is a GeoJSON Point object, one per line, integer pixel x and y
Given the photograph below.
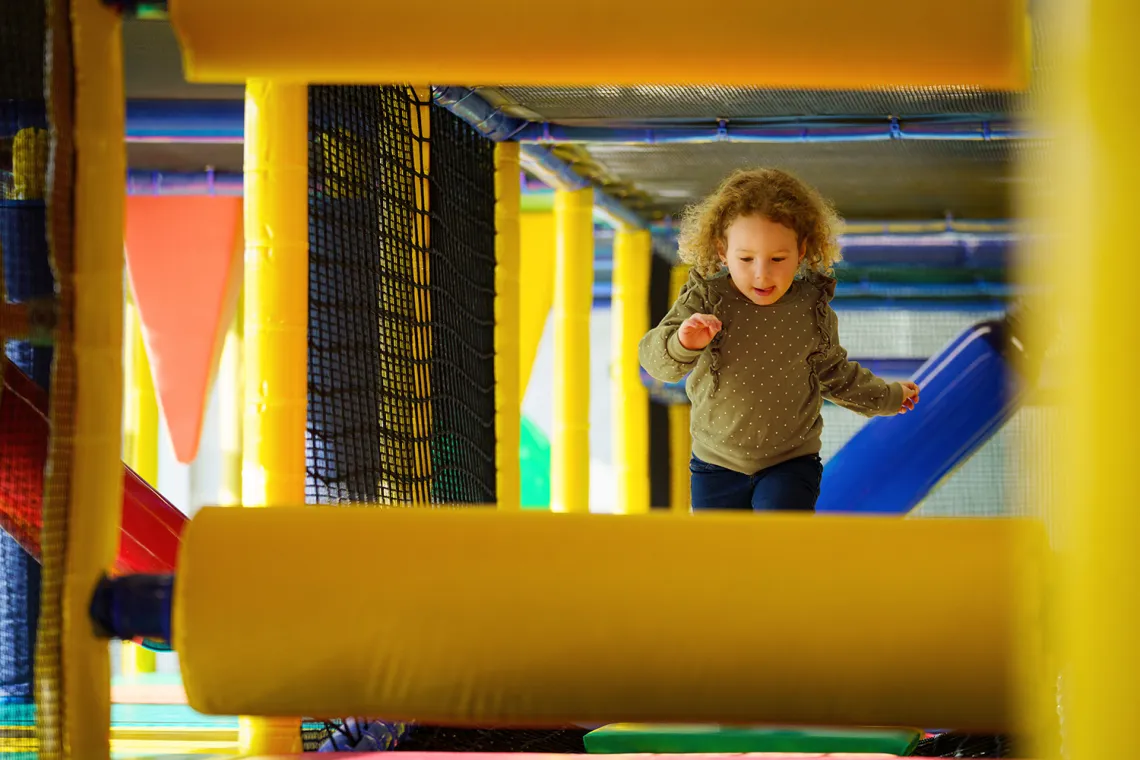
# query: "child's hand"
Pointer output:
{"type": "Point", "coordinates": [697, 331]}
{"type": "Point", "coordinates": [910, 396]}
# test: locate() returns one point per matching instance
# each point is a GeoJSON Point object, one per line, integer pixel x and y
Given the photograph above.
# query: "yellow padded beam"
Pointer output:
{"type": "Point", "coordinates": [807, 43]}
{"type": "Point", "coordinates": [539, 618]}
{"type": "Point", "coordinates": [275, 314]}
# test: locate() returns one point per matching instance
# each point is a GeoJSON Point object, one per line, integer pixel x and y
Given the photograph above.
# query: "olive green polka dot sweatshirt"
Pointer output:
{"type": "Point", "coordinates": [757, 389]}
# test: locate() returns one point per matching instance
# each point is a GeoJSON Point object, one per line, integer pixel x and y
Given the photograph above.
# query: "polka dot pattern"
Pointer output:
{"type": "Point", "coordinates": [757, 390]}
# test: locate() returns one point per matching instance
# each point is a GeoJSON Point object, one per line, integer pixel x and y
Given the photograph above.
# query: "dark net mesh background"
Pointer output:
{"type": "Point", "coordinates": [910, 179]}
{"type": "Point", "coordinates": [663, 104]}
{"type": "Point", "coordinates": [401, 313]}
{"type": "Point", "coordinates": [401, 328]}
{"type": "Point", "coordinates": [23, 432]}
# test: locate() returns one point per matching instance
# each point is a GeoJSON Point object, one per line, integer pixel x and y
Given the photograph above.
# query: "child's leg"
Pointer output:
{"type": "Point", "coordinates": [714, 487]}
{"type": "Point", "coordinates": [791, 485]}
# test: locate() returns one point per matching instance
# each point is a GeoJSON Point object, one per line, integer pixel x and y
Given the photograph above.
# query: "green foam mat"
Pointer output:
{"type": "Point", "coordinates": [622, 738]}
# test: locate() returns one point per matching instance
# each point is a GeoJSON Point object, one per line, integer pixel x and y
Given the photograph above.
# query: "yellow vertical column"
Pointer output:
{"type": "Point", "coordinates": [629, 412]}
{"type": "Point", "coordinates": [276, 325]}
{"type": "Point", "coordinates": [573, 299]}
{"type": "Point", "coordinates": [73, 713]}
{"type": "Point", "coordinates": [508, 395]}
{"type": "Point", "coordinates": [1096, 164]}
{"type": "Point", "coordinates": [680, 443]}
{"type": "Point", "coordinates": [140, 445]}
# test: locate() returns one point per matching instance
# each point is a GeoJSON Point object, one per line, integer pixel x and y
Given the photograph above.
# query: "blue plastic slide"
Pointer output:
{"type": "Point", "coordinates": [967, 392]}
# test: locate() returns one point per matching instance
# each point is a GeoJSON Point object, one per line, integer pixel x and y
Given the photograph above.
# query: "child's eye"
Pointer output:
{"type": "Point", "coordinates": [778, 259]}
{"type": "Point", "coordinates": [746, 259]}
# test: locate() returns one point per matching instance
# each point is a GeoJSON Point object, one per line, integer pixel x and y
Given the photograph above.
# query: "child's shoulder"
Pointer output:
{"type": "Point", "coordinates": [706, 287]}
{"type": "Point", "coordinates": [820, 286]}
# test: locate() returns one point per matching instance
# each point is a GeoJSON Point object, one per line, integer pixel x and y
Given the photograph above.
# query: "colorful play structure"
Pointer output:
{"type": "Point", "coordinates": [382, 580]}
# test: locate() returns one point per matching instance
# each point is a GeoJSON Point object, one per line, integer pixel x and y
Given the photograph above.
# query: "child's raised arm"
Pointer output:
{"type": "Point", "coordinates": [661, 351]}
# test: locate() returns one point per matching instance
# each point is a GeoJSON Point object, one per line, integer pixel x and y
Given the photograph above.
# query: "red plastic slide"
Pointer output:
{"type": "Point", "coordinates": [152, 526]}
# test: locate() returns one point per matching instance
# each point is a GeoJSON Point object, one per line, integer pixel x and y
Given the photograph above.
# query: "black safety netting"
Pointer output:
{"type": "Point", "coordinates": [401, 312]}
{"type": "Point", "coordinates": [401, 327]}
{"type": "Point", "coordinates": [953, 744]}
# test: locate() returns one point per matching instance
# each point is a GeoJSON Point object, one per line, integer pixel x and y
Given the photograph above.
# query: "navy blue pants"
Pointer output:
{"type": "Point", "coordinates": [791, 485]}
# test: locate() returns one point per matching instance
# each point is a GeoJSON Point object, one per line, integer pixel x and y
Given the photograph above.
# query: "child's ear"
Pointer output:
{"type": "Point", "coordinates": [720, 252]}
{"type": "Point", "coordinates": [803, 250]}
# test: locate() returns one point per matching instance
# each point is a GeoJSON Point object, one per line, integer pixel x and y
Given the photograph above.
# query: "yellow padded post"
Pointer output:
{"type": "Point", "coordinates": [536, 270]}
{"type": "Point", "coordinates": [1091, 181]}
{"type": "Point", "coordinates": [573, 300]}
{"type": "Point", "coordinates": [629, 406]}
{"type": "Point", "coordinates": [140, 446]}
{"type": "Point", "coordinates": [74, 713]}
{"type": "Point", "coordinates": [231, 393]}
{"type": "Point", "coordinates": [680, 440]}
{"type": "Point", "coordinates": [508, 395]}
{"type": "Point", "coordinates": [276, 313]}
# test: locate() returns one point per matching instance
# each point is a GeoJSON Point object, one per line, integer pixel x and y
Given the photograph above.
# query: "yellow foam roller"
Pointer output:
{"type": "Point", "coordinates": [532, 619]}
{"type": "Point", "coordinates": [807, 44]}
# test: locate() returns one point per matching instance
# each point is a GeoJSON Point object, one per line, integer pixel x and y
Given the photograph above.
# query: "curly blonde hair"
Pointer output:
{"type": "Point", "coordinates": [771, 193]}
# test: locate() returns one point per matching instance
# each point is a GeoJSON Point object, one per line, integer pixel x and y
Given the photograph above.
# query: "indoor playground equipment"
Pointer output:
{"type": "Point", "coordinates": [151, 526]}
{"type": "Point", "coordinates": [382, 367]}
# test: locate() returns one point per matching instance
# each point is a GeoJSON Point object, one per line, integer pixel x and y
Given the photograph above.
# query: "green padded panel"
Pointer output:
{"type": "Point", "coordinates": [636, 738]}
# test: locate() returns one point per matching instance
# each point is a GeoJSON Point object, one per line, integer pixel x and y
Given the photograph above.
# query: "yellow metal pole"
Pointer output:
{"type": "Point", "coordinates": [140, 445]}
{"type": "Point", "coordinates": [508, 396]}
{"type": "Point", "coordinates": [629, 412]}
{"type": "Point", "coordinates": [276, 326]}
{"type": "Point", "coordinates": [573, 298]}
{"type": "Point", "coordinates": [1093, 182]}
{"type": "Point", "coordinates": [680, 442]}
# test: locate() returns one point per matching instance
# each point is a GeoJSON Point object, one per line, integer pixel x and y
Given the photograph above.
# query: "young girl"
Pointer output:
{"type": "Point", "coordinates": [754, 332]}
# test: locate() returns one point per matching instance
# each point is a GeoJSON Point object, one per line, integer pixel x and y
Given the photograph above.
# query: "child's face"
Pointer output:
{"type": "Point", "coordinates": [762, 257]}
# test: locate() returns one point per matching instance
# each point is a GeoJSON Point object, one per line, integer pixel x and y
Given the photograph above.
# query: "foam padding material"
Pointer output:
{"type": "Point", "coordinates": [543, 619]}
{"type": "Point", "coordinates": [823, 44]}
{"type": "Point", "coordinates": [657, 739]}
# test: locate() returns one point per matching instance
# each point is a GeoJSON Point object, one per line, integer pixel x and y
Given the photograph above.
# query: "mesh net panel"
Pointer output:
{"type": "Point", "coordinates": [966, 745]}
{"type": "Point", "coordinates": [401, 320]}
{"type": "Point", "coordinates": [889, 179]}
{"type": "Point", "coordinates": [593, 105]}
{"type": "Point", "coordinates": [1001, 477]}
{"type": "Point", "coordinates": [23, 433]}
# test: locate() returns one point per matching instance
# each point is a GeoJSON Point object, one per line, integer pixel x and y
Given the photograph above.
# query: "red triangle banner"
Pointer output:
{"type": "Point", "coordinates": [184, 261]}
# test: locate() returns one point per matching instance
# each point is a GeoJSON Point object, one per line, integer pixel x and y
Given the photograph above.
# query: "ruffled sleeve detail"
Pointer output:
{"type": "Point", "coordinates": [841, 380]}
